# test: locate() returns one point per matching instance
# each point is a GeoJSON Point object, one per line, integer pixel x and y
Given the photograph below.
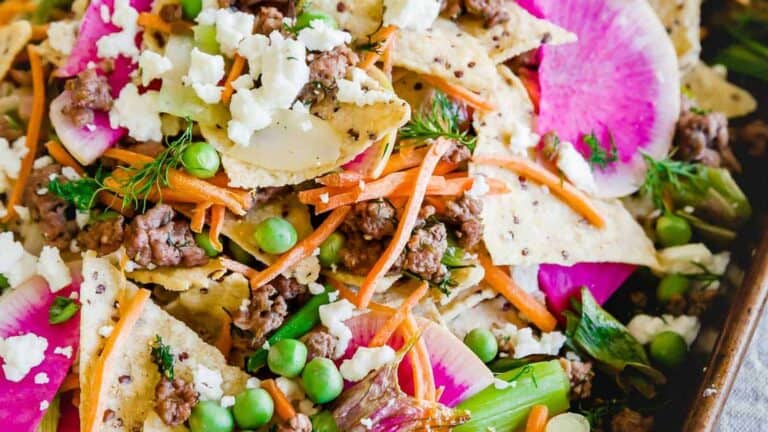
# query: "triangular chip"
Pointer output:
{"type": "Point", "coordinates": [522, 32]}
{"type": "Point", "coordinates": [130, 385]}
{"type": "Point", "coordinates": [359, 17]}
{"type": "Point", "coordinates": [180, 278]}
{"type": "Point", "coordinates": [682, 19]}
{"type": "Point", "coordinates": [13, 39]}
{"type": "Point", "coordinates": [712, 91]}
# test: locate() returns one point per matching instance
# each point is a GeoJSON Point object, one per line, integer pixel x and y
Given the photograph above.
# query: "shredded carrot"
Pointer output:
{"type": "Point", "coordinates": [9, 9]}
{"type": "Point", "coordinates": [71, 382]}
{"type": "Point", "coordinates": [384, 37]}
{"type": "Point", "coordinates": [407, 157]}
{"type": "Point", "coordinates": [33, 132]}
{"type": "Point", "coordinates": [499, 280]}
{"type": "Point", "coordinates": [386, 331]}
{"type": "Point", "coordinates": [92, 419]}
{"type": "Point", "coordinates": [62, 156]}
{"type": "Point", "coordinates": [224, 338]}
{"type": "Point", "coordinates": [153, 22]}
{"type": "Point", "coordinates": [39, 32]}
{"type": "Point", "coordinates": [217, 222]}
{"type": "Point", "coordinates": [422, 356]}
{"type": "Point", "coordinates": [537, 419]}
{"type": "Point", "coordinates": [340, 179]}
{"type": "Point", "coordinates": [302, 249]}
{"type": "Point", "coordinates": [387, 58]}
{"type": "Point", "coordinates": [197, 222]}
{"type": "Point", "coordinates": [575, 198]}
{"type": "Point", "coordinates": [406, 224]}
{"type": "Point", "coordinates": [221, 179]}
{"type": "Point", "coordinates": [237, 267]}
{"type": "Point", "coordinates": [459, 93]}
{"type": "Point", "coordinates": [423, 379]}
{"type": "Point", "coordinates": [115, 203]}
{"type": "Point", "coordinates": [235, 71]}
{"type": "Point", "coordinates": [283, 406]}
{"type": "Point", "coordinates": [351, 296]}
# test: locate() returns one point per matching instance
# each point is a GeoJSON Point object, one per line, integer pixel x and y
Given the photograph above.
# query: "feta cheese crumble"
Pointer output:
{"type": "Point", "coordinates": [253, 383]}
{"type": "Point", "coordinates": [65, 351]}
{"type": "Point", "coordinates": [366, 360]}
{"type": "Point", "coordinates": [138, 113]}
{"type": "Point", "coordinates": [411, 14]}
{"type": "Point", "coordinates": [645, 327]}
{"type": "Point", "coordinates": [123, 42]}
{"type": "Point", "coordinates": [361, 90]}
{"type": "Point", "coordinates": [208, 383]}
{"type": "Point", "coordinates": [51, 267]}
{"type": "Point", "coordinates": [10, 160]}
{"type": "Point", "coordinates": [320, 36]}
{"type": "Point", "coordinates": [41, 378]}
{"type": "Point", "coordinates": [20, 354]}
{"type": "Point", "coordinates": [332, 316]}
{"type": "Point", "coordinates": [525, 343]}
{"type": "Point", "coordinates": [105, 331]}
{"type": "Point", "coordinates": [231, 28]}
{"type": "Point", "coordinates": [575, 167]}
{"type": "Point", "coordinates": [16, 264]}
{"type": "Point", "coordinates": [62, 35]}
{"type": "Point", "coordinates": [227, 401]}
{"type": "Point", "coordinates": [153, 66]}
{"type": "Point", "coordinates": [44, 405]}
{"type": "Point", "coordinates": [205, 72]}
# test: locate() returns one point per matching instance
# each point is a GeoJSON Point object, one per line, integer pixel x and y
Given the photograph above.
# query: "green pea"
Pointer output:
{"type": "Point", "coordinates": [201, 160]}
{"type": "Point", "coordinates": [205, 39]}
{"type": "Point", "coordinates": [668, 349]}
{"type": "Point", "coordinates": [209, 416]}
{"type": "Point", "coordinates": [275, 235]}
{"type": "Point", "coordinates": [322, 381]}
{"type": "Point", "coordinates": [306, 17]}
{"type": "Point", "coordinates": [287, 357]}
{"type": "Point", "coordinates": [203, 240]}
{"type": "Point", "coordinates": [238, 253]}
{"type": "Point", "coordinates": [191, 8]}
{"type": "Point", "coordinates": [324, 422]}
{"type": "Point", "coordinates": [671, 286]}
{"type": "Point", "coordinates": [329, 249]}
{"type": "Point", "coordinates": [253, 408]}
{"type": "Point", "coordinates": [673, 230]}
{"type": "Point", "coordinates": [483, 343]}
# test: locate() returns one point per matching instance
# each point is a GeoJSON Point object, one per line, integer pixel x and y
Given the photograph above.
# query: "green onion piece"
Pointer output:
{"type": "Point", "coordinates": [62, 309]}
{"type": "Point", "coordinates": [506, 408]}
{"type": "Point", "coordinates": [4, 284]}
{"type": "Point", "coordinates": [295, 327]}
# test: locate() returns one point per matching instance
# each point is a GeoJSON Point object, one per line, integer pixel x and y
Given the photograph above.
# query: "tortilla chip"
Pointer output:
{"type": "Point", "coordinates": [132, 402]}
{"type": "Point", "coordinates": [482, 309]}
{"type": "Point", "coordinates": [359, 17]}
{"type": "Point", "coordinates": [446, 51]}
{"type": "Point", "coordinates": [522, 32]}
{"type": "Point", "coordinates": [181, 278]}
{"type": "Point", "coordinates": [13, 39]}
{"type": "Point", "coordinates": [382, 284]}
{"type": "Point", "coordinates": [713, 92]}
{"type": "Point", "coordinates": [682, 19]}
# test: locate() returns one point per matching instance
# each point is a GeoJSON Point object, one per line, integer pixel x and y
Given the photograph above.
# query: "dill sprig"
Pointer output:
{"type": "Point", "coordinates": [667, 173]}
{"type": "Point", "coordinates": [598, 156]}
{"type": "Point", "coordinates": [163, 357]}
{"type": "Point", "coordinates": [154, 175]}
{"type": "Point", "coordinates": [441, 121]}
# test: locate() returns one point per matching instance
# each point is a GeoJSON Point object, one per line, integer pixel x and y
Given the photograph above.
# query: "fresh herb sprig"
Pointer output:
{"type": "Point", "coordinates": [62, 309]}
{"type": "Point", "coordinates": [667, 173]}
{"type": "Point", "coordinates": [81, 193]}
{"type": "Point", "coordinates": [163, 357]}
{"type": "Point", "coordinates": [154, 175]}
{"type": "Point", "coordinates": [598, 155]}
{"type": "Point", "coordinates": [442, 120]}
{"type": "Point", "coordinates": [4, 284]}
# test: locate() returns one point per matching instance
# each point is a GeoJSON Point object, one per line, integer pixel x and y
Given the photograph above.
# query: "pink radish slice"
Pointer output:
{"type": "Point", "coordinates": [619, 79]}
{"type": "Point", "coordinates": [457, 369]}
{"type": "Point", "coordinates": [25, 310]}
{"type": "Point", "coordinates": [373, 160]}
{"type": "Point", "coordinates": [561, 283]}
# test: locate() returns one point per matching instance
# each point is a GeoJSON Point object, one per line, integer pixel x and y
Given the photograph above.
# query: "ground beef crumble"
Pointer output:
{"type": "Point", "coordinates": [319, 344]}
{"type": "Point", "coordinates": [695, 302]}
{"type": "Point", "coordinates": [491, 11]}
{"type": "Point", "coordinates": [55, 216]}
{"type": "Point", "coordinates": [157, 238]}
{"type": "Point", "coordinates": [88, 91]}
{"type": "Point", "coordinates": [628, 420]}
{"type": "Point", "coordinates": [104, 236]}
{"type": "Point", "coordinates": [299, 423]}
{"type": "Point", "coordinates": [324, 69]}
{"type": "Point", "coordinates": [425, 250]}
{"type": "Point", "coordinates": [753, 136]}
{"type": "Point", "coordinates": [358, 254]}
{"type": "Point", "coordinates": [702, 136]}
{"type": "Point", "coordinates": [174, 400]}
{"type": "Point", "coordinates": [580, 374]}
{"type": "Point", "coordinates": [375, 220]}
{"type": "Point", "coordinates": [464, 213]}
{"type": "Point", "coordinates": [266, 312]}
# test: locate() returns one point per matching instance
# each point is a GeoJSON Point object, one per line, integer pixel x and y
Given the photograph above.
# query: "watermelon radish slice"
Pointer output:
{"type": "Point", "coordinates": [457, 369]}
{"type": "Point", "coordinates": [25, 310]}
{"type": "Point", "coordinates": [620, 80]}
{"type": "Point", "coordinates": [561, 283]}
{"type": "Point", "coordinates": [373, 160]}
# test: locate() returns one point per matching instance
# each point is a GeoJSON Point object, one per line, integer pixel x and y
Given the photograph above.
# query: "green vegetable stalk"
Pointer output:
{"type": "Point", "coordinates": [506, 409]}
{"type": "Point", "coordinates": [295, 327]}
{"type": "Point", "coordinates": [50, 421]}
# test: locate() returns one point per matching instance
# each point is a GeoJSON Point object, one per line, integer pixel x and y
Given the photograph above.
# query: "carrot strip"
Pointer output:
{"type": "Point", "coordinates": [422, 355]}
{"type": "Point", "coordinates": [224, 339]}
{"type": "Point", "coordinates": [217, 222]}
{"type": "Point", "coordinates": [575, 198]}
{"type": "Point", "coordinates": [115, 203]}
{"type": "Point", "coordinates": [438, 186]}
{"type": "Point", "coordinates": [397, 186]}
{"type": "Point", "coordinates": [154, 22]}
{"type": "Point", "coordinates": [341, 179]}
{"type": "Point", "coordinates": [537, 419]}
{"type": "Point", "coordinates": [33, 132]}
{"type": "Point", "coordinates": [9, 9]}
{"type": "Point", "coordinates": [389, 327]}
{"type": "Point", "coordinates": [39, 32]}
{"type": "Point", "coordinates": [105, 363]}
{"type": "Point", "coordinates": [387, 58]}
{"type": "Point", "coordinates": [419, 388]}
{"type": "Point", "coordinates": [302, 249]}
{"type": "Point", "coordinates": [235, 71]}
{"type": "Point", "coordinates": [197, 222]}
{"type": "Point", "coordinates": [385, 36]}
{"type": "Point", "coordinates": [62, 156]}
{"type": "Point", "coordinates": [460, 93]}
{"type": "Point", "coordinates": [531, 83]}
{"type": "Point", "coordinates": [71, 382]}
{"type": "Point", "coordinates": [407, 157]}
{"type": "Point", "coordinates": [221, 179]}
{"type": "Point", "coordinates": [237, 267]}
{"type": "Point", "coordinates": [499, 280]}
{"type": "Point", "coordinates": [406, 224]}
{"type": "Point", "coordinates": [283, 406]}
{"type": "Point", "coordinates": [351, 296]}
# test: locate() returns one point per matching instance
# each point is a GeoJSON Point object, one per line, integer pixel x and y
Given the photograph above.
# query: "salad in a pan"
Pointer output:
{"type": "Point", "coordinates": [357, 215]}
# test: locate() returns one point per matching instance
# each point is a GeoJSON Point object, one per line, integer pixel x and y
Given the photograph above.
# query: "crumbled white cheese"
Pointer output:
{"type": "Point", "coordinates": [51, 267]}
{"type": "Point", "coordinates": [526, 277]}
{"type": "Point", "coordinates": [65, 351]}
{"type": "Point", "coordinates": [265, 345]}
{"type": "Point", "coordinates": [688, 259]}
{"type": "Point", "coordinates": [316, 288]}
{"type": "Point", "coordinates": [244, 305]}
{"type": "Point", "coordinates": [645, 327]}
{"type": "Point", "coordinates": [74, 296]}
{"type": "Point", "coordinates": [253, 383]}
{"type": "Point", "coordinates": [333, 296]}
{"type": "Point", "coordinates": [575, 167]}
{"type": "Point", "coordinates": [361, 90]}
{"type": "Point", "coordinates": [122, 42]}
{"type": "Point", "coordinates": [325, 198]}
{"type": "Point", "coordinates": [70, 174]}
{"type": "Point", "coordinates": [42, 162]}
{"type": "Point", "coordinates": [243, 82]}
{"type": "Point", "coordinates": [305, 271]}
{"type": "Point", "coordinates": [208, 383]}
{"type": "Point", "coordinates": [366, 423]}
{"type": "Point", "coordinates": [307, 408]}
{"type": "Point", "coordinates": [62, 35]}
{"type": "Point", "coordinates": [205, 72]}
{"type": "Point", "coordinates": [106, 16]}
{"type": "Point", "coordinates": [231, 28]}
{"type": "Point", "coordinates": [411, 14]}
{"type": "Point", "coordinates": [227, 401]}
{"type": "Point", "coordinates": [41, 378]}
{"type": "Point", "coordinates": [138, 113]}
{"type": "Point", "coordinates": [366, 360]}
{"type": "Point", "coordinates": [525, 343]}
{"type": "Point", "coordinates": [44, 405]}
{"type": "Point", "coordinates": [153, 66]}
{"type": "Point", "coordinates": [10, 160]}
{"type": "Point", "coordinates": [105, 331]}
{"type": "Point", "coordinates": [290, 388]}
{"type": "Point", "coordinates": [320, 36]}
{"type": "Point", "coordinates": [299, 107]}
{"type": "Point", "coordinates": [479, 187]}
{"type": "Point", "coordinates": [249, 114]}
{"type": "Point", "coordinates": [253, 48]}
{"type": "Point", "coordinates": [16, 264]}
{"type": "Point", "coordinates": [20, 354]}
{"type": "Point", "coordinates": [332, 316]}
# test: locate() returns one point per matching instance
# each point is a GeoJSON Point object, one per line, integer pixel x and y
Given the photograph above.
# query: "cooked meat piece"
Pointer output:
{"type": "Point", "coordinates": [702, 137]}
{"type": "Point", "coordinates": [319, 344]}
{"type": "Point", "coordinates": [631, 421]}
{"type": "Point", "coordinates": [286, 8]}
{"type": "Point", "coordinates": [89, 91]}
{"type": "Point", "coordinates": [264, 314]}
{"type": "Point", "coordinates": [157, 238]}
{"type": "Point", "coordinates": [491, 11]}
{"type": "Point", "coordinates": [580, 374]}
{"type": "Point", "coordinates": [268, 19]}
{"type": "Point", "coordinates": [695, 302]}
{"type": "Point", "coordinates": [289, 289]}
{"type": "Point", "coordinates": [373, 219]}
{"type": "Point", "coordinates": [55, 215]}
{"type": "Point", "coordinates": [104, 236]}
{"type": "Point", "coordinates": [174, 400]}
{"type": "Point", "coordinates": [299, 423]}
{"type": "Point", "coordinates": [465, 214]}
{"type": "Point", "coordinates": [7, 131]}
{"type": "Point", "coordinates": [358, 254]}
{"type": "Point", "coordinates": [324, 69]}
{"type": "Point", "coordinates": [457, 153]}
{"type": "Point", "coordinates": [171, 12]}
{"type": "Point", "coordinates": [266, 194]}
{"type": "Point", "coordinates": [424, 251]}
{"type": "Point", "coordinates": [753, 136]}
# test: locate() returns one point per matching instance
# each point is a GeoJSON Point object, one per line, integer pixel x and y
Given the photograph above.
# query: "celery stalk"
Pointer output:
{"type": "Point", "coordinates": [506, 409]}
{"type": "Point", "coordinates": [50, 421]}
